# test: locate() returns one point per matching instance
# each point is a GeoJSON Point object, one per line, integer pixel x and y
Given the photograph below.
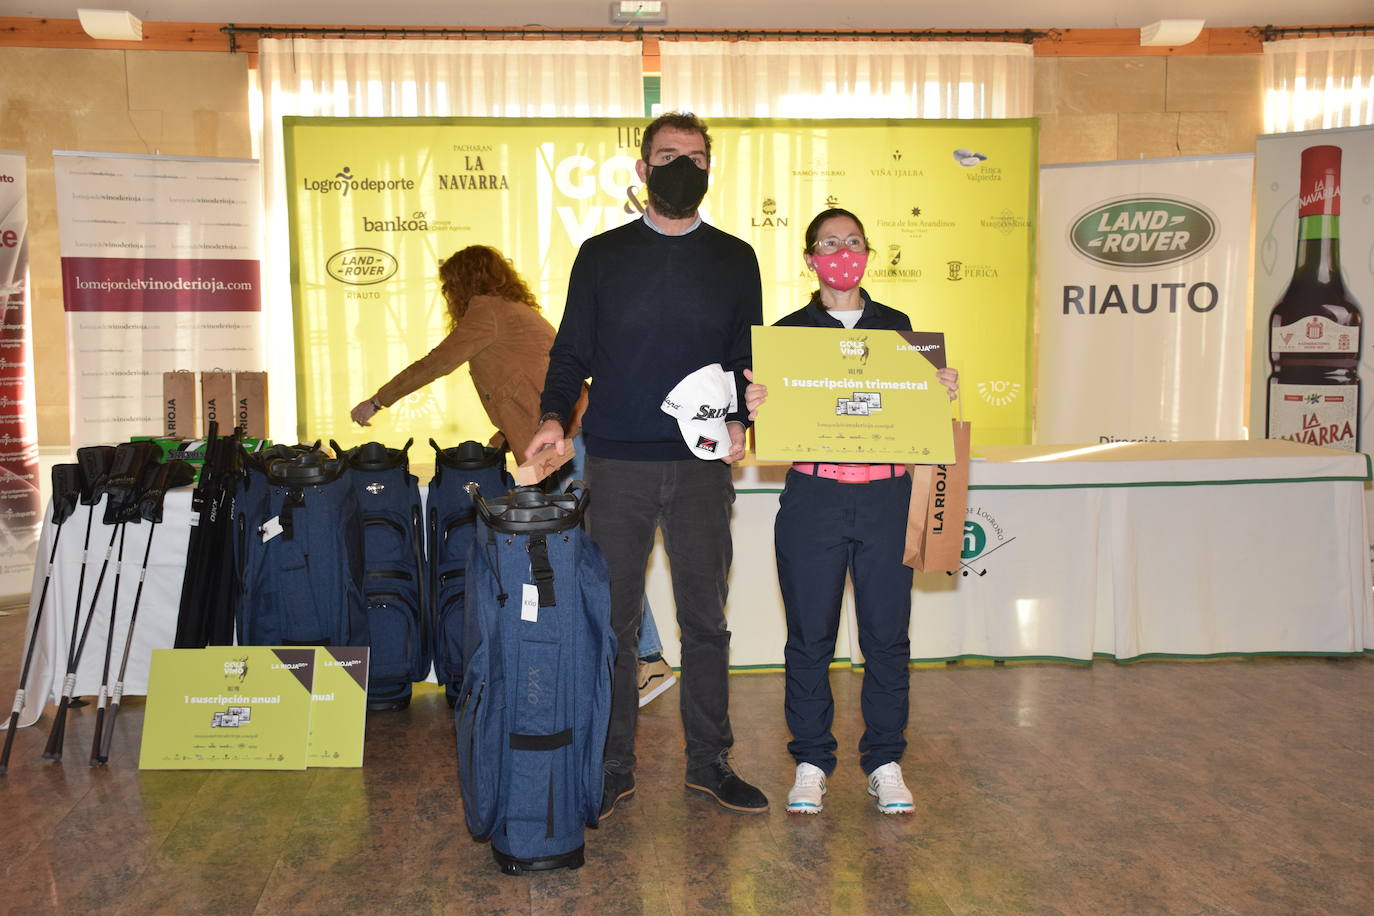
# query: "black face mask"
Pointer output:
{"type": "Point", "coordinates": [676, 189]}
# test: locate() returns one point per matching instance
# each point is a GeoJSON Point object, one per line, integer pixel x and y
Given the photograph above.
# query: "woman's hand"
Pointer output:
{"type": "Point", "coordinates": [754, 394]}
{"type": "Point", "coordinates": [950, 379]}
{"type": "Point", "coordinates": [363, 412]}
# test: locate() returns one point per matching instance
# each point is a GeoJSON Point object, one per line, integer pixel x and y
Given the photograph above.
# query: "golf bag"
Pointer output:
{"type": "Point", "coordinates": [394, 569]}
{"type": "Point", "coordinates": [298, 536]}
{"type": "Point", "coordinates": [450, 524]}
{"type": "Point", "coordinates": [535, 701]}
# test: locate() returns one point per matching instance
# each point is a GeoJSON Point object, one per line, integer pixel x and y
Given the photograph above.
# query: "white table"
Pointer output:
{"type": "Point", "coordinates": [1126, 550]}
{"type": "Point", "coordinates": [157, 615]}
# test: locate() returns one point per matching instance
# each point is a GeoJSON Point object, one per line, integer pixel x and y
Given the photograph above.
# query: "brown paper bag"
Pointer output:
{"type": "Point", "coordinates": [250, 398]}
{"type": "Point", "coordinates": [217, 401]}
{"type": "Point", "coordinates": [179, 404]}
{"type": "Point", "coordinates": [935, 518]}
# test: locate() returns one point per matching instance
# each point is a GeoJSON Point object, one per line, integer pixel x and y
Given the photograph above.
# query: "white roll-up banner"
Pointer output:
{"type": "Point", "coordinates": [1144, 300]}
{"type": "Point", "coordinates": [160, 272]}
{"type": "Point", "coordinates": [20, 508]}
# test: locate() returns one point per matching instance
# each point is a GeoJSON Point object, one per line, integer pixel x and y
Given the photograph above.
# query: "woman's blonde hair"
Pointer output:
{"type": "Point", "coordinates": [480, 270]}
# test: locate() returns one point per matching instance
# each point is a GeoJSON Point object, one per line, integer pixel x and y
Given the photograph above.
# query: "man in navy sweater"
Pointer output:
{"type": "Point", "coordinates": [648, 304]}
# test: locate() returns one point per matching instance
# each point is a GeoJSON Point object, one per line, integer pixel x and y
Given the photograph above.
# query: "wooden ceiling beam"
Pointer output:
{"type": "Point", "coordinates": [17, 31]}
{"type": "Point", "coordinates": [21, 32]}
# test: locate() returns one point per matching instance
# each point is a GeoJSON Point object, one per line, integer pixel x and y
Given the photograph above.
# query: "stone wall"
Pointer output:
{"type": "Point", "coordinates": [1095, 109]}
{"type": "Point", "coordinates": [173, 103]}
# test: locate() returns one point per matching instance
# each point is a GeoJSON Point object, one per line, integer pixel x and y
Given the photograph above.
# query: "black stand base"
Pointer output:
{"type": "Point", "coordinates": [388, 705]}
{"type": "Point", "coordinates": [510, 865]}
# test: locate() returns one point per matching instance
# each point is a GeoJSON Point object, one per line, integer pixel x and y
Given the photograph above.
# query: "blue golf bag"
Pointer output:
{"type": "Point", "coordinates": [450, 522]}
{"type": "Point", "coordinates": [394, 570]}
{"type": "Point", "coordinates": [299, 546]}
{"type": "Point", "coordinates": [535, 701]}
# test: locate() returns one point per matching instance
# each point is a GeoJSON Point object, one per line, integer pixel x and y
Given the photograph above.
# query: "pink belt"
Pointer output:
{"type": "Point", "coordinates": [851, 473]}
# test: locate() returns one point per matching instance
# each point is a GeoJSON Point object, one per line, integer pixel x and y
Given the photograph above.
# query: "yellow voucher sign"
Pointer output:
{"type": "Point", "coordinates": [851, 395]}
{"type": "Point", "coordinates": [338, 708]}
{"type": "Point", "coordinates": [228, 708]}
{"type": "Point", "coordinates": [255, 708]}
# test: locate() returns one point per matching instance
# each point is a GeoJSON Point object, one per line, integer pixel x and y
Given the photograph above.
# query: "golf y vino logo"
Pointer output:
{"type": "Point", "coordinates": [236, 670]}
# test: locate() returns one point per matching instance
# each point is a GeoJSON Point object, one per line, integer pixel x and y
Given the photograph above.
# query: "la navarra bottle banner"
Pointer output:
{"type": "Point", "coordinates": [1315, 327]}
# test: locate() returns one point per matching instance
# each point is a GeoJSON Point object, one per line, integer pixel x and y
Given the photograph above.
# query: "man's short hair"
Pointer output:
{"type": "Point", "coordinates": [682, 120]}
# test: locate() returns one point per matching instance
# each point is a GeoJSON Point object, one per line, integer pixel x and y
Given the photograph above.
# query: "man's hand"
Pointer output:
{"type": "Point", "coordinates": [754, 394]}
{"type": "Point", "coordinates": [736, 430]}
{"type": "Point", "coordinates": [550, 432]}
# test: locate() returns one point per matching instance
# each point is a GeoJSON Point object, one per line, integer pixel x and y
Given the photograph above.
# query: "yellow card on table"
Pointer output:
{"type": "Point", "coordinates": [338, 718]}
{"type": "Point", "coordinates": [228, 708]}
{"type": "Point", "coordinates": [851, 395]}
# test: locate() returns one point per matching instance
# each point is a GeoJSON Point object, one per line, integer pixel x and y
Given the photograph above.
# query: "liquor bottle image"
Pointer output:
{"type": "Point", "coordinates": [1315, 327]}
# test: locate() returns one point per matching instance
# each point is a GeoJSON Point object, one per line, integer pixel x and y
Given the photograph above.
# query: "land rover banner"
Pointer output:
{"type": "Point", "coordinates": [1143, 300]}
{"type": "Point", "coordinates": [159, 273]}
{"type": "Point", "coordinates": [20, 509]}
{"type": "Point", "coordinates": [377, 204]}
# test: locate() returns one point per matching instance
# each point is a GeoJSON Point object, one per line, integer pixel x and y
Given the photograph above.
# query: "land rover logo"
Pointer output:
{"type": "Point", "coordinates": [361, 266]}
{"type": "Point", "coordinates": [1143, 232]}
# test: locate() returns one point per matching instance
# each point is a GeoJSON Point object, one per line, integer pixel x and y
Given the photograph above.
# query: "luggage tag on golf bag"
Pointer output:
{"type": "Point", "coordinates": [529, 603]}
{"type": "Point", "coordinates": [270, 528]}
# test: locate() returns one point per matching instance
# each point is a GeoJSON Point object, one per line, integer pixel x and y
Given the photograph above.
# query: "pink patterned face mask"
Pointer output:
{"type": "Point", "coordinates": [842, 270]}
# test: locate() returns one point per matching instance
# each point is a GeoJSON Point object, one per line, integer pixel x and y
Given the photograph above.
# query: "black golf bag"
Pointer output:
{"type": "Point", "coordinates": [394, 570]}
{"type": "Point", "coordinates": [450, 523]}
{"type": "Point", "coordinates": [298, 536]}
{"type": "Point", "coordinates": [535, 700]}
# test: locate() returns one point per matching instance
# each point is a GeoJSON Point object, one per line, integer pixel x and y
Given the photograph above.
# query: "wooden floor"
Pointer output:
{"type": "Point", "coordinates": [1241, 786]}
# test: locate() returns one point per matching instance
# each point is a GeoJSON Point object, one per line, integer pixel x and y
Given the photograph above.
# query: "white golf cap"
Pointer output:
{"type": "Point", "coordinates": [700, 403]}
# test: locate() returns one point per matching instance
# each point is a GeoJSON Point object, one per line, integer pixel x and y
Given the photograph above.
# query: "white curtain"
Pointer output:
{"type": "Point", "coordinates": [847, 79]}
{"type": "Point", "coordinates": [1318, 83]}
{"type": "Point", "coordinates": [410, 78]}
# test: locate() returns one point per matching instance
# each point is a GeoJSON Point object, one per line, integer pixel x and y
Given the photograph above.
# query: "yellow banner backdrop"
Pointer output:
{"type": "Point", "coordinates": [377, 203]}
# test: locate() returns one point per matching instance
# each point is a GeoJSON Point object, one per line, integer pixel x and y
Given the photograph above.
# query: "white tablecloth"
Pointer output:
{"type": "Point", "coordinates": [1125, 550]}
{"type": "Point", "coordinates": [157, 614]}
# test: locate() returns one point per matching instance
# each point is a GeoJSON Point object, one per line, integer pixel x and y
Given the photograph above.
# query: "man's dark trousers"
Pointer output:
{"type": "Point", "coordinates": [690, 500]}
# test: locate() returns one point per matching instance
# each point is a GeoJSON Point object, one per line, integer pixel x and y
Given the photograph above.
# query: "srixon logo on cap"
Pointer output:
{"type": "Point", "coordinates": [709, 444]}
{"type": "Point", "coordinates": [707, 412]}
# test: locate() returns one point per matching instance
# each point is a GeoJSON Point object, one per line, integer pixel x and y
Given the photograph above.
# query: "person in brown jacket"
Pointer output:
{"type": "Point", "coordinates": [497, 328]}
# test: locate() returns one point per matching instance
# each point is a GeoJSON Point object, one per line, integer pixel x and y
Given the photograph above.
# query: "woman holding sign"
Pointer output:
{"type": "Point", "coordinates": [838, 519]}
